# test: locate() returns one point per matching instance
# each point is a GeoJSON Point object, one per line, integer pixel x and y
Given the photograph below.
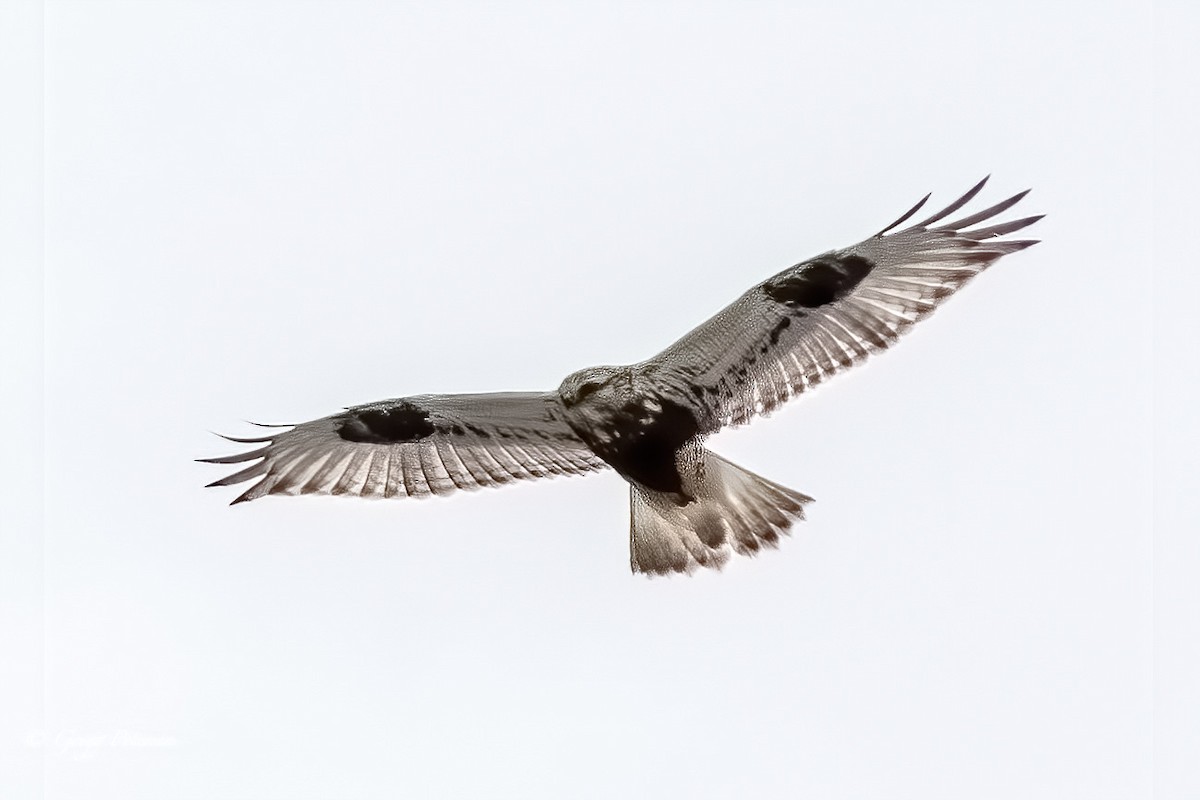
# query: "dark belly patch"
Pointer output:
{"type": "Point", "coordinates": [641, 440]}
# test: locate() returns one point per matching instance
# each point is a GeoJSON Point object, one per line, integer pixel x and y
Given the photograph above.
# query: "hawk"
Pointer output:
{"type": "Point", "coordinates": [689, 507]}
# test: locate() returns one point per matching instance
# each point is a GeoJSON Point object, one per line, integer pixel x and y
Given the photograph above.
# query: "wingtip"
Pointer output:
{"type": "Point", "coordinates": [245, 497]}
{"type": "Point", "coordinates": [920, 204]}
{"type": "Point", "coordinates": [236, 458]}
{"type": "Point", "coordinates": [976, 218]}
{"type": "Point", "coordinates": [978, 187]}
{"type": "Point", "coordinates": [965, 198]}
{"type": "Point", "coordinates": [244, 439]}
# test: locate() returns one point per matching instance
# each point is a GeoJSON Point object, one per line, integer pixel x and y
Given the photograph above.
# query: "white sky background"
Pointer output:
{"type": "Point", "coordinates": [268, 211]}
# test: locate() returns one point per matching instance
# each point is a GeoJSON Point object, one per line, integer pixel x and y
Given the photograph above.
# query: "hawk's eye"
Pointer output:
{"type": "Point", "coordinates": [587, 389]}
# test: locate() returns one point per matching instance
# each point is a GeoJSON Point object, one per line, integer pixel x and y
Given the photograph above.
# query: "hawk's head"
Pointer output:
{"type": "Point", "coordinates": [599, 383]}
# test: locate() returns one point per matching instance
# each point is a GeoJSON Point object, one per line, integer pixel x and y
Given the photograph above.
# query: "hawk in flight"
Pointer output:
{"type": "Point", "coordinates": [648, 421]}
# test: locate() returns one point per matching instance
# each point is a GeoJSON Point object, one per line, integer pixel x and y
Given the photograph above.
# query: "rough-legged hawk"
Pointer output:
{"type": "Point", "coordinates": [648, 421]}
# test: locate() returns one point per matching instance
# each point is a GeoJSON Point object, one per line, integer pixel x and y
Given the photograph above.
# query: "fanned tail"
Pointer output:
{"type": "Point", "coordinates": [732, 510]}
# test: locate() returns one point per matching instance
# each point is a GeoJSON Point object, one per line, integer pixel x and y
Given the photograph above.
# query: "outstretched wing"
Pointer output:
{"type": "Point", "coordinates": [824, 315]}
{"type": "Point", "coordinates": [415, 447]}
